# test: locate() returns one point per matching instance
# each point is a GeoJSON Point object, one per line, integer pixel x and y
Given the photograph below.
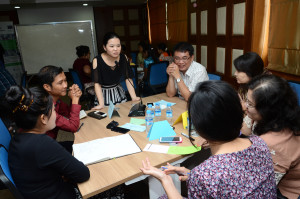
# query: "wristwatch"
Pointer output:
{"type": "Point", "coordinates": [178, 80]}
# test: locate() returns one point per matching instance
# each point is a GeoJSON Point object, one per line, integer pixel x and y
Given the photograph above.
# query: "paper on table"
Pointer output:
{"type": "Point", "coordinates": [156, 148]}
{"type": "Point", "coordinates": [106, 148]}
{"type": "Point", "coordinates": [182, 150]}
{"type": "Point", "coordinates": [137, 121]}
{"type": "Point", "coordinates": [134, 127]}
{"type": "Point", "coordinates": [82, 114]}
{"type": "Point", "coordinates": [163, 104]}
{"type": "Point", "coordinates": [160, 129]}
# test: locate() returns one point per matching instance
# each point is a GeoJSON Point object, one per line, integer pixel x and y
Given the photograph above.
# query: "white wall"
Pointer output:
{"type": "Point", "coordinates": [42, 15]}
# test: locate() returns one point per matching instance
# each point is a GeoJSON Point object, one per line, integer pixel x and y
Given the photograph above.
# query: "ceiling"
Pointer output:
{"type": "Point", "coordinates": [10, 4]}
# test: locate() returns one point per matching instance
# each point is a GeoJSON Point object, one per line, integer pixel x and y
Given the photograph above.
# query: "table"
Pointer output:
{"type": "Point", "coordinates": [108, 174]}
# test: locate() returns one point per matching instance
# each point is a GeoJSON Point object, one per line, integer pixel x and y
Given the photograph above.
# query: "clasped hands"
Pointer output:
{"type": "Point", "coordinates": [161, 175]}
{"type": "Point", "coordinates": [173, 70]}
{"type": "Point", "coordinates": [74, 91]}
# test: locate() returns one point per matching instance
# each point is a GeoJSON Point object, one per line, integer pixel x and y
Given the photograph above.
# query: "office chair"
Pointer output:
{"type": "Point", "coordinates": [5, 136]}
{"type": "Point", "coordinates": [296, 87]}
{"type": "Point", "coordinates": [23, 80]}
{"type": "Point", "coordinates": [85, 96]}
{"type": "Point", "coordinates": [213, 76]}
{"type": "Point", "coordinates": [157, 77]}
{"type": "Point", "coordinates": [134, 79]}
{"type": "Point", "coordinates": [5, 175]}
{"type": "Point", "coordinates": [133, 57]}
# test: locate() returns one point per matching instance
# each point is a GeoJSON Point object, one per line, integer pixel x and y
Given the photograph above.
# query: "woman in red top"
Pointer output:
{"type": "Point", "coordinates": [84, 67]}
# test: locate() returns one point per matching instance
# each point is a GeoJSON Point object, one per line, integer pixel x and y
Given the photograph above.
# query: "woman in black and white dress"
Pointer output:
{"type": "Point", "coordinates": [108, 69]}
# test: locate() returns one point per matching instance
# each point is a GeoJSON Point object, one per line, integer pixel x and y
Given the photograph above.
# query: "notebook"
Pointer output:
{"type": "Point", "coordinates": [105, 149]}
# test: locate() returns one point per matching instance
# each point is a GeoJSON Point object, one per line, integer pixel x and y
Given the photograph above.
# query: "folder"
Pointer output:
{"type": "Point", "coordinates": [105, 149]}
{"type": "Point", "coordinates": [160, 129]}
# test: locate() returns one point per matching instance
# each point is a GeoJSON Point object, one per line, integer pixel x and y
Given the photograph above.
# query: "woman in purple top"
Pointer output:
{"type": "Point", "coordinates": [238, 168]}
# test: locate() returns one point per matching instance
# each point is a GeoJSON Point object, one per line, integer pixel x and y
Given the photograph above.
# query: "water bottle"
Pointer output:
{"type": "Point", "coordinates": [157, 112]}
{"type": "Point", "coordinates": [149, 120]}
{"type": "Point", "coordinates": [169, 114]}
{"type": "Point", "coordinates": [152, 110]}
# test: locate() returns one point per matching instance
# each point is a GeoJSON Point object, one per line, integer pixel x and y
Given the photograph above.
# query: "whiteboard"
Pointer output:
{"type": "Point", "coordinates": [53, 43]}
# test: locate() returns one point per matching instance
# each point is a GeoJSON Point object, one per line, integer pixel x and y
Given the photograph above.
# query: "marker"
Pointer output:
{"type": "Point", "coordinates": [179, 173]}
{"type": "Point", "coordinates": [80, 126]}
{"type": "Point", "coordinates": [185, 135]}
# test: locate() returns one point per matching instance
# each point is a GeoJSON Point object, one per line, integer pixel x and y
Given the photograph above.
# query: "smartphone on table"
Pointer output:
{"type": "Point", "coordinates": [97, 114]}
{"type": "Point", "coordinates": [170, 139]}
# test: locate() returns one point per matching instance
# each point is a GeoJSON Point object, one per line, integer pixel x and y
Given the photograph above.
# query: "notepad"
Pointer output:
{"type": "Point", "coordinates": [105, 149]}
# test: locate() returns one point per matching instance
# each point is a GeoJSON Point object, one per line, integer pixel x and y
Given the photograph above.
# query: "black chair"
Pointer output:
{"type": "Point", "coordinates": [157, 77]}
{"type": "Point", "coordinates": [86, 97]}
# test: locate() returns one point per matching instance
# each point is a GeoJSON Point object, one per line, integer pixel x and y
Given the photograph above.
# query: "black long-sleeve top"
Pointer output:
{"type": "Point", "coordinates": [37, 164]}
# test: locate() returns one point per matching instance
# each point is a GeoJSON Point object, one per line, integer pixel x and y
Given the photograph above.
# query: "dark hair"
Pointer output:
{"type": "Point", "coordinates": [277, 104]}
{"type": "Point", "coordinates": [150, 51]}
{"type": "Point", "coordinates": [47, 74]}
{"type": "Point", "coordinates": [249, 63]}
{"type": "Point", "coordinates": [162, 46]}
{"type": "Point", "coordinates": [142, 44]}
{"type": "Point", "coordinates": [108, 36]}
{"type": "Point", "coordinates": [82, 50]}
{"type": "Point", "coordinates": [183, 47]}
{"type": "Point", "coordinates": [215, 111]}
{"type": "Point", "coordinates": [36, 99]}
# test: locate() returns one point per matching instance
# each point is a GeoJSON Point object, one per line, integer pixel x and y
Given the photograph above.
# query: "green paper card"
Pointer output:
{"type": "Point", "coordinates": [183, 150]}
{"type": "Point", "coordinates": [137, 121]}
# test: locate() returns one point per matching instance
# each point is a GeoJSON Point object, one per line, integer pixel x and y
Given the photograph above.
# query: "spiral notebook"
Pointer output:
{"type": "Point", "coordinates": [105, 149]}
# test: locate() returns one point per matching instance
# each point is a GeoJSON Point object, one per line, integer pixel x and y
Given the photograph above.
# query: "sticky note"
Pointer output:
{"type": "Point", "coordinates": [182, 150]}
{"type": "Point", "coordinates": [137, 121]}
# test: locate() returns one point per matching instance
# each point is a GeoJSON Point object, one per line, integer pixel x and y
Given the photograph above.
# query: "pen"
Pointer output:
{"type": "Point", "coordinates": [185, 135]}
{"type": "Point", "coordinates": [179, 173]}
{"type": "Point", "coordinates": [80, 126]}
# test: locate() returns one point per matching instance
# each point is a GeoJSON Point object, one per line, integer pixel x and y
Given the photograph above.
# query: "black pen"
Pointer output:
{"type": "Point", "coordinates": [80, 126]}
{"type": "Point", "coordinates": [185, 135]}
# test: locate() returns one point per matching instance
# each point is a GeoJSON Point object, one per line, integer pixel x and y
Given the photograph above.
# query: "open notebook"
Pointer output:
{"type": "Point", "coordinates": [104, 149]}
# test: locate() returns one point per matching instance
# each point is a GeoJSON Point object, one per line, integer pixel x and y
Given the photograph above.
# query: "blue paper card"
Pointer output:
{"type": "Point", "coordinates": [163, 104]}
{"type": "Point", "coordinates": [160, 129]}
{"type": "Point", "coordinates": [112, 111]}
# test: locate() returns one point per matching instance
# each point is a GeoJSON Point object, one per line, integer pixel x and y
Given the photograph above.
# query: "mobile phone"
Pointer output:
{"type": "Point", "coordinates": [120, 129]}
{"type": "Point", "coordinates": [97, 114]}
{"type": "Point", "coordinates": [100, 113]}
{"type": "Point", "coordinates": [170, 139]}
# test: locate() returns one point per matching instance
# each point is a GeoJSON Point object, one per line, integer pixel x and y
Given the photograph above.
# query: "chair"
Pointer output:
{"type": "Point", "coordinates": [296, 87]}
{"type": "Point", "coordinates": [134, 79]}
{"type": "Point", "coordinates": [85, 96]}
{"type": "Point", "coordinates": [5, 136]}
{"type": "Point", "coordinates": [23, 80]}
{"type": "Point", "coordinates": [213, 76]}
{"type": "Point", "coordinates": [133, 57]}
{"type": "Point", "coordinates": [76, 79]}
{"type": "Point", "coordinates": [157, 77]}
{"type": "Point", "coordinates": [5, 175]}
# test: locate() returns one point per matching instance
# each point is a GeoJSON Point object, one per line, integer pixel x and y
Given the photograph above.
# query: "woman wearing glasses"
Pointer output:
{"type": "Point", "coordinates": [184, 73]}
{"type": "Point", "coordinates": [247, 67]}
{"type": "Point", "coordinates": [238, 168]}
{"type": "Point", "coordinates": [273, 105]}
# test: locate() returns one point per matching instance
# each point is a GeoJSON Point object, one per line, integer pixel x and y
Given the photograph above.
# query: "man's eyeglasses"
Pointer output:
{"type": "Point", "coordinates": [184, 59]}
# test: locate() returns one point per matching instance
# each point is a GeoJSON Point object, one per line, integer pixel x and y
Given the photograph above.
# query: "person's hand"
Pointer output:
{"type": "Point", "coordinates": [173, 70]}
{"type": "Point", "coordinates": [182, 172]}
{"type": "Point", "coordinates": [203, 143]}
{"type": "Point", "coordinates": [99, 107]}
{"type": "Point", "coordinates": [150, 170]}
{"type": "Point", "coordinates": [136, 99]}
{"type": "Point", "coordinates": [74, 92]}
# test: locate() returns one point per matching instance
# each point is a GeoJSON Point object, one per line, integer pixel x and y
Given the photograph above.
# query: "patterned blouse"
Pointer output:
{"type": "Point", "coordinates": [245, 174]}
